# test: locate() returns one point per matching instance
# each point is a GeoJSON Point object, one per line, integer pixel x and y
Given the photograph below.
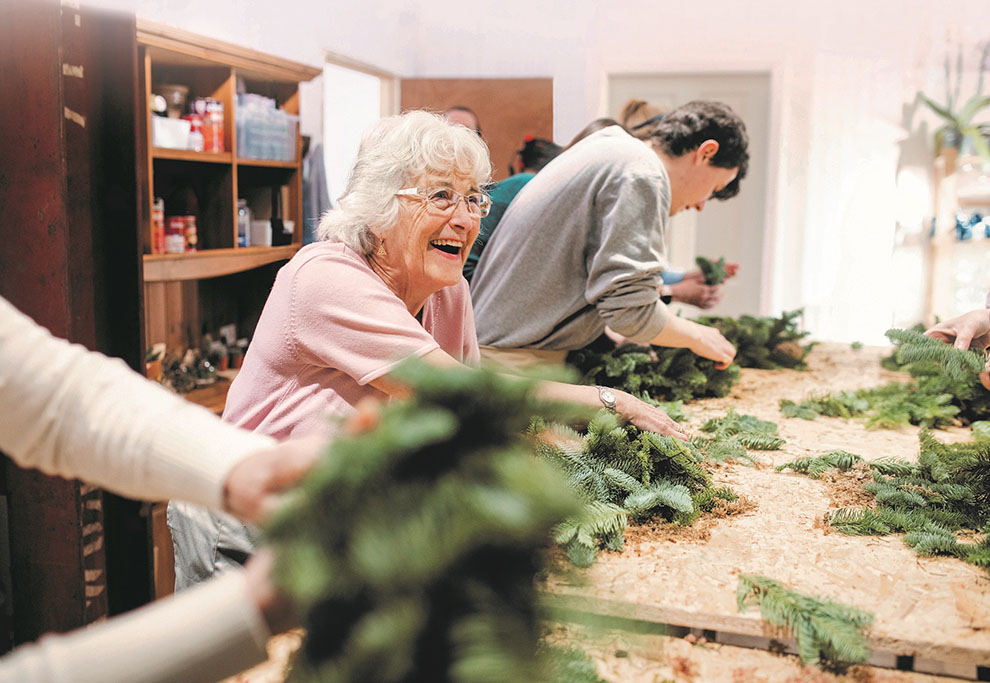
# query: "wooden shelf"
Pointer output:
{"type": "Point", "coordinates": [213, 397]}
{"type": "Point", "coordinates": [211, 262]}
{"type": "Point", "coordinates": [267, 163]}
{"type": "Point", "coordinates": [191, 155]}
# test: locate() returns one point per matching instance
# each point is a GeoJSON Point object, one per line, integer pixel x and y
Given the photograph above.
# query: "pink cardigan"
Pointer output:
{"type": "Point", "coordinates": [329, 327]}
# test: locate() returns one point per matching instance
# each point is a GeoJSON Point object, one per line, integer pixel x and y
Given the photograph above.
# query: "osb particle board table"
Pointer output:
{"type": "Point", "coordinates": [936, 610]}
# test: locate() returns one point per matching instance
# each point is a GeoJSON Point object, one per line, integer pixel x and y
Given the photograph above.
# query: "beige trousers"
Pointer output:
{"type": "Point", "coordinates": [521, 359]}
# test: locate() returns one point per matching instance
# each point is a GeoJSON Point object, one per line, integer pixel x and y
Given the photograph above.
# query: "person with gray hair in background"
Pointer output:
{"type": "Point", "coordinates": [383, 284]}
{"type": "Point", "coordinates": [582, 245]}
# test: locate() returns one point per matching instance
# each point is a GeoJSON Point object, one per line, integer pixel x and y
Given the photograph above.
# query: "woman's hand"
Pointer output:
{"type": "Point", "coordinates": [967, 330]}
{"type": "Point", "coordinates": [696, 293]}
{"type": "Point", "coordinates": [254, 485]}
{"type": "Point", "coordinates": [647, 417]}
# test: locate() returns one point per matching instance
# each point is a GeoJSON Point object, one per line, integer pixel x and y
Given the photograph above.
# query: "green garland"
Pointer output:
{"type": "Point", "coordinates": [412, 548]}
{"type": "Point", "coordinates": [829, 634]}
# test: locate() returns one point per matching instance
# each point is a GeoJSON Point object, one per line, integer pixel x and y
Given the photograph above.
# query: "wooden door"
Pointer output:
{"type": "Point", "coordinates": [508, 109]}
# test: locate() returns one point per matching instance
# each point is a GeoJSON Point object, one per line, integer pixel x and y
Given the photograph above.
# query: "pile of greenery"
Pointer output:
{"type": "Point", "coordinates": [662, 373]}
{"type": "Point", "coordinates": [948, 490]}
{"type": "Point", "coordinates": [412, 548]}
{"type": "Point", "coordinates": [829, 634]}
{"type": "Point", "coordinates": [713, 271]}
{"type": "Point", "coordinates": [621, 472]}
{"type": "Point", "coordinates": [844, 461]}
{"type": "Point", "coordinates": [765, 343]}
{"type": "Point", "coordinates": [945, 388]}
{"type": "Point", "coordinates": [730, 436]}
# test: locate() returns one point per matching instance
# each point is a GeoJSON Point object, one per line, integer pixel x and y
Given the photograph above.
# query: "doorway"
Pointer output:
{"type": "Point", "coordinates": [735, 229]}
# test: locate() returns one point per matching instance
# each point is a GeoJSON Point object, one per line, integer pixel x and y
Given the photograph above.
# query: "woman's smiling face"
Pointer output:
{"type": "Point", "coordinates": [427, 248]}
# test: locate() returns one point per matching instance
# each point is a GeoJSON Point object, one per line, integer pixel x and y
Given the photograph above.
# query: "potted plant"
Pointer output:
{"type": "Point", "coordinates": [958, 117]}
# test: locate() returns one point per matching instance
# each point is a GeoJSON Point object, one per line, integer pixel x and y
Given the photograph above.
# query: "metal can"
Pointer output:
{"type": "Point", "coordinates": [175, 238]}
{"type": "Point", "coordinates": [158, 226]}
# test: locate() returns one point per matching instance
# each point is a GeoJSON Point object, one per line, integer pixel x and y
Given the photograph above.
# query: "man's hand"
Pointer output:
{"type": "Point", "coordinates": [703, 340]}
{"type": "Point", "coordinates": [696, 293]}
{"type": "Point", "coordinates": [695, 275]}
{"type": "Point", "coordinates": [708, 342]}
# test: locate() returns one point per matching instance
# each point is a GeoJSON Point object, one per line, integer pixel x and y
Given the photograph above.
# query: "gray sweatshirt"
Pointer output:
{"type": "Point", "coordinates": [579, 248]}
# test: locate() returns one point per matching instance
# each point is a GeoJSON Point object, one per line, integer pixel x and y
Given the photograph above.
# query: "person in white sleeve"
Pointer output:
{"type": "Point", "coordinates": [74, 413]}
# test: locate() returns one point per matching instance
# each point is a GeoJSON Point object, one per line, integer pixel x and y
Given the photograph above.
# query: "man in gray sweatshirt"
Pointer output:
{"type": "Point", "coordinates": [581, 247]}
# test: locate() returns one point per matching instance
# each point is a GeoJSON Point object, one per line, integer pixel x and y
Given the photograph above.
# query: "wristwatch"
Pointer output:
{"type": "Point", "coordinates": [666, 294]}
{"type": "Point", "coordinates": [607, 396]}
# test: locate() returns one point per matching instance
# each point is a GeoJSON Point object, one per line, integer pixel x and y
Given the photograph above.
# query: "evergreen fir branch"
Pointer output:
{"type": "Point", "coordinates": [665, 374]}
{"type": "Point", "coordinates": [947, 491]}
{"type": "Point", "coordinates": [765, 343]}
{"type": "Point", "coordinates": [567, 663]}
{"type": "Point", "coordinates": [620, 470]}
{"type": "Point", "coordinates": [412, 548]}
{"type": "Point", "coordinates": [705, 500]}
{"type": "Point", "coordinates": [828, 633]}
{"type": "Point", "coordinates": [598, 522]}
{"type": "Point", "coordinates": [722, 450]}
{"type": "Point", "coordinates": [816, 466]}
{"type": "Point", "coordinates": [959, 365]}
{"type": "Point", "coordinates": [713, 271]}
{"type": "Point", "coordinates": [761, 442]}
{"type": "Point", "coordinates": [892, 466]}
{"type": "Point", "coordinates": [662, 496]}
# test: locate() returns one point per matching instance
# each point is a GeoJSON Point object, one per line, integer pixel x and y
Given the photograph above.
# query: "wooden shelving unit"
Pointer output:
{"type": "Point", "coordinates": [187, 294]}
{"type": "Point", "coordinates": [211, 263]}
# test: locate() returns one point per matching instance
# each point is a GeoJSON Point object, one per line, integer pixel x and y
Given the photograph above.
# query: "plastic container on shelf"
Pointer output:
{"type": "Point", "coordinates": [263, 131]}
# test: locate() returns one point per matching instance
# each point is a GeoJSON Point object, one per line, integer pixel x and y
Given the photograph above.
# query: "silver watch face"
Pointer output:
{"type": "Point", "coordinates": [608, 398]}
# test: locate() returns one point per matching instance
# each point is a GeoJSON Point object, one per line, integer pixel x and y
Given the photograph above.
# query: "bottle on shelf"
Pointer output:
{"type": "Point", "coordinates": [243, 223]}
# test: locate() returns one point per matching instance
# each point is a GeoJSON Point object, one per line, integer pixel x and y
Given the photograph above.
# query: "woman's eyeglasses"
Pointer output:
{"type": "Point", "coordinates": [444, 199]}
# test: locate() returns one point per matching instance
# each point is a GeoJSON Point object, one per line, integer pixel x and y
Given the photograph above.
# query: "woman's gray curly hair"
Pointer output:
{"type": "Point", "coordinates": [396, 152]}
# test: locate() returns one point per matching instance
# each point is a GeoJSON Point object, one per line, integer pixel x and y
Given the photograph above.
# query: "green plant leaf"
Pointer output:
{"type": "Point", "coordinates": [973, 106]}
{"type": "Point", "coordinates": [941, 111]}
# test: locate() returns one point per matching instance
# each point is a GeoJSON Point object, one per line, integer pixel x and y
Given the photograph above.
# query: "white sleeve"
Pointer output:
{"type": "Point", "coordinates": [201, 635]}
{"type": "Point", "coordinates": [75, 413]}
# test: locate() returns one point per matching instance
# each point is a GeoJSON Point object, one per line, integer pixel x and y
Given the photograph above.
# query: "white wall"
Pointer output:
{"type": "Point", "coordinates": [840, 72]}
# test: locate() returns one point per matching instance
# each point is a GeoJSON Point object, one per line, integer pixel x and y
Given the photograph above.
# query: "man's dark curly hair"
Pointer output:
{"type": "Point", "coordinates": [685, 128]}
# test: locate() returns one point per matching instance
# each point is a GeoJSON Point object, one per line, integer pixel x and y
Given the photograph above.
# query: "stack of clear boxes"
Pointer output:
{"type": "Point", "coordinates": [263, 130]}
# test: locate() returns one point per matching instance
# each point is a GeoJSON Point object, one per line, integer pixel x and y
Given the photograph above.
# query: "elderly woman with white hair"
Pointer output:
{"type": "Point", "coordinates": [383, 284]}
